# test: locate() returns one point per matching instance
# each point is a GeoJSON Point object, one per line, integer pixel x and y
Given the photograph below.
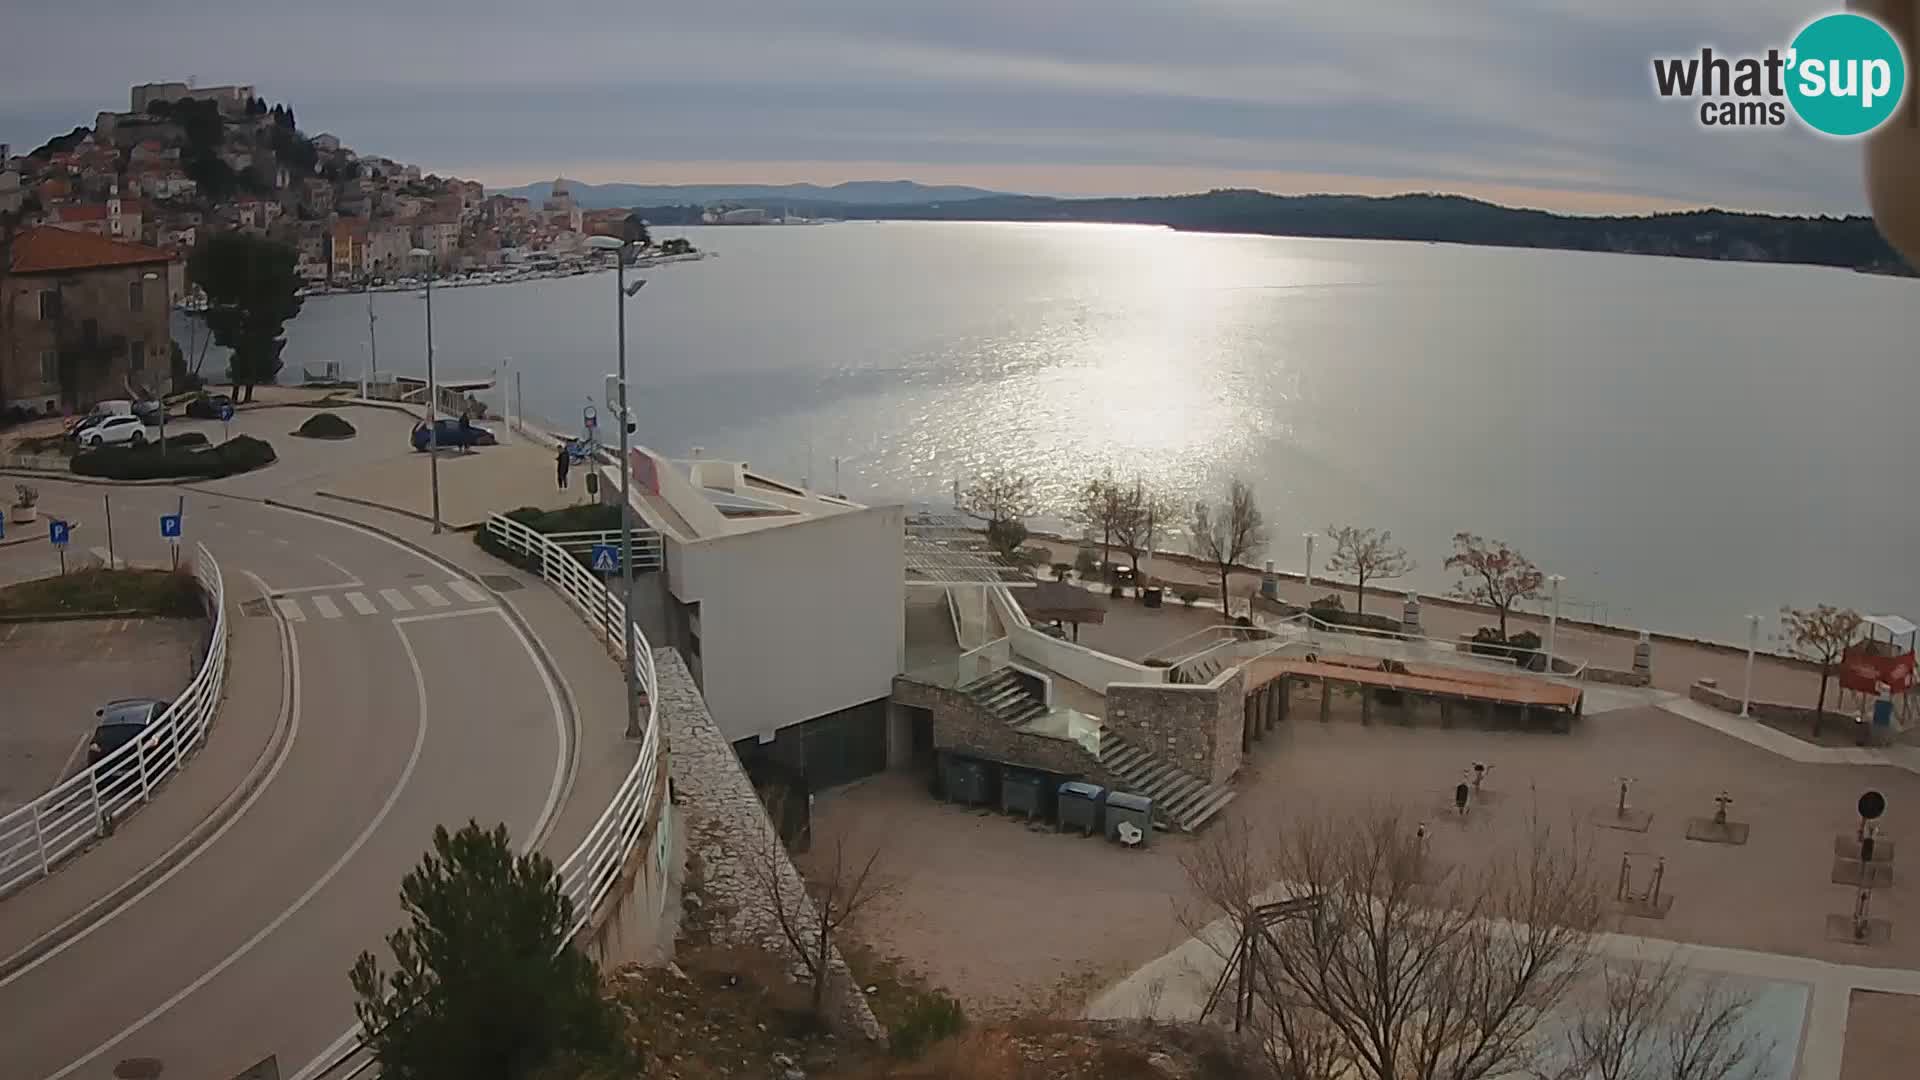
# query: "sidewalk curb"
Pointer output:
{"type": "Point", "coordinates": [88, 916]}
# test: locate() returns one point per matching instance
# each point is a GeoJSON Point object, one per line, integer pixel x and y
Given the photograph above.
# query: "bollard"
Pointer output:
{"type": "Point", "coordinates": [1643, 656]}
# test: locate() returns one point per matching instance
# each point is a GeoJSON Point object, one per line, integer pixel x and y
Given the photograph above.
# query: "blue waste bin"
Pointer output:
{"type": "Point", "coordinates": [1080, 804]}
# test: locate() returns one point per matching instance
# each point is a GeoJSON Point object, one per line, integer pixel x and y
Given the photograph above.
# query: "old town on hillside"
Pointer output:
{"type": "Point", "coordinates": [183, 162]}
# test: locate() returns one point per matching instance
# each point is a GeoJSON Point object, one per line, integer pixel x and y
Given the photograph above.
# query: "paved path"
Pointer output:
{"type": "Point", "coordinates": [429, 709]}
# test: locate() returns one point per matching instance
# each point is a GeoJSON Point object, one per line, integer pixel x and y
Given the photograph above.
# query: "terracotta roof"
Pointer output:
{"type": "Point", "coordinates": [47, 249]}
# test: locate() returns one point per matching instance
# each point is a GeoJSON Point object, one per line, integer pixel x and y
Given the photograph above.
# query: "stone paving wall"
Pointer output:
{"type": "Point", "coordinates": [1194, 727]}
{"type": "Point", "coordinates": [726, 826]}
{"type": "Point", "coordinates": [961, 725]}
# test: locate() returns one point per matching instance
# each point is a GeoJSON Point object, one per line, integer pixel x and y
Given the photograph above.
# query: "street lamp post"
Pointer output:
{"type": "Point", "coordinates": [433, 394]}
{"type": "Point", "coordinates": [1554, 582]}
{"type": "Point", "coordinates": [623, 249]}
{"type": "Point", "coordinates": [1753, 642]}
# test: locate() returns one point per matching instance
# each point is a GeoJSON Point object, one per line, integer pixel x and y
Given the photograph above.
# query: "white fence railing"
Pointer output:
{"type": "Point", "coordinates": [589, 874]}
{"type": "Point", "coordinates": [1231, 644]}
{"type": "Point", "coordinates": [646, 545]}
{"type": "Point", "coordinates": [83, 807]}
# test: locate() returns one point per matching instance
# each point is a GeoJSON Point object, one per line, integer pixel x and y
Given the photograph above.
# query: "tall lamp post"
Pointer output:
{"type": "Point", "coordinates": [1753, 642]}
{"type": "Point", "coordinates": [433, 393]}
{"type": "Point", "coordinates": [624, 247]}
{"type": "Point", "coordinates": [1554, 581]}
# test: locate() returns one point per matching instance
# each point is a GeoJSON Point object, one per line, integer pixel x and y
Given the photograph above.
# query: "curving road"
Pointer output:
{"type": "Point", "coordinates": [411, 701]}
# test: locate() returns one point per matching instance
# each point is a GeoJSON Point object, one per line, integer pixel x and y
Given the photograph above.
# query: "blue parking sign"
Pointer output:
{"type": "Point", "coordinates": [226, 413]}
{"type": "Point", "coordinates": [606, 558]}
{"type": "Point", "coordinates": [57, 532]}
{"type": "Point", "coordinates": [170, 526]}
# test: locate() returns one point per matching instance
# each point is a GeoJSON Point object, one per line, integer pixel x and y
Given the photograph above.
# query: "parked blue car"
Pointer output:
{"type": "Point", "coordinates": [452, 433]}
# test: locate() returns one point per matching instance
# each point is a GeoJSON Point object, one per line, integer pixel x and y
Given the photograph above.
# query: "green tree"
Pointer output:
{"type": "Point", "coordinates": [1822, 635]}
{"type": "Point", "coordinates": [485, 985]}
{"type": "Point", "coordinates": [252, 290]}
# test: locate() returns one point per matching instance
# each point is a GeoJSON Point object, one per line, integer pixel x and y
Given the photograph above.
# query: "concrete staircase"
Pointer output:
{"type": "Point", "coordinates": [1198, 672]}
{"type": "Point", "coordinates": [1008, 695]}
{"type": "Point", "coordinates": [1178, 796]}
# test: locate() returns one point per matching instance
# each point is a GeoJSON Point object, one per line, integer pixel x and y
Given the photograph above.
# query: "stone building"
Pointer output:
{"type": "Point", "coordinates": [82, 317]}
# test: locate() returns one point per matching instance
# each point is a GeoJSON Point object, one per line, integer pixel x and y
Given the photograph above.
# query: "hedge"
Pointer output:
{"type": "Point", "coordinates": [242, 453]}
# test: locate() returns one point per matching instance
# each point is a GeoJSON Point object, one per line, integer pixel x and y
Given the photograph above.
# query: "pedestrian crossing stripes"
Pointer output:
{"type": "Point", "coordinates": [357, 603]}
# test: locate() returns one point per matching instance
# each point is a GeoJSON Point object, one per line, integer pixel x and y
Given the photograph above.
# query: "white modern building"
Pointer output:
{"type": "Point", "coordinates": [788, 604]}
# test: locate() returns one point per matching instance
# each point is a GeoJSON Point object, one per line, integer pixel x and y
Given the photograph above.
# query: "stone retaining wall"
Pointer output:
{"type": "Point", "coordinates": [1617, 677]}
{"type": "Point", "coordinates": [1707, 692]}
{"type": "Point", "coordinates": [726, 825]}
{"type": "Point", "coordinates": [963, 727]}
{"type": "Point", "coordinates": [1195, 727]}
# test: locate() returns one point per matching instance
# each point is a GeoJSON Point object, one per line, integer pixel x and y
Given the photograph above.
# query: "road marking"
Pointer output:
{"type": "Point", "coordinates": [467, 592]}
{"type": "Point", "coordinates": [289, 715]}
{"type": "Point", "coordinates": [360, 603]}
{"type": "Point", "coordinates": [393, 797]}
{"type": "Point", "coordinates": [291, 609]}
{"type": "Point", "coordinates": [431, 595]}
{"type": "Point", "coordinates": [344, 572]}
{"type": "Point", "coordinates": [324, 605]}
{"type": "Point", "coordinates": [396, 601]}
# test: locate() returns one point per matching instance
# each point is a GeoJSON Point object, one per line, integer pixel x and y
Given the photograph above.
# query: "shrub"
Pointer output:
{"type": "Point", "coordinates": [325, 425]}
{"type": "Point", "coordinates": [1086, 564]}
{"type": "Point", "coordinates": [1523, 647]}
{"type": "Point", "coordinates": [1329, 602]}
{"type": "Point", "coordinates": [931, 1017]}
{"type": "Point", "coordinates": [1189, 597]}
{"type": "Point", "coordinates": [242, 453]}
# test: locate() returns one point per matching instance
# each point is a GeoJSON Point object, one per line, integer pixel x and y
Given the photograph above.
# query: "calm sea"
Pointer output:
{"type": "Point", "coordinates": [1686, 442]}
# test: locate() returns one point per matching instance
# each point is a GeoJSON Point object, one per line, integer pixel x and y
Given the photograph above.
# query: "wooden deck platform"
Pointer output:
{"type": "Point", "coordinates": [1433, 680]}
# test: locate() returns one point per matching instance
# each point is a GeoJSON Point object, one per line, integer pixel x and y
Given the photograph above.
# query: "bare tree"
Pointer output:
{"type": "Point", "coordinates": [1492, 573]}
{"type": "Point", "coordinates": [810, 914]}
{"type": "Point", "coordinates": [1096, 507]}
{"type": "Point", "coordinates": [1367, 555]}
{"type": "Point", "coordinates": [1140, 516]}
{"type": "Point", "coordinates": [1228, 534]}
{"type": "Point", "coordinates": [1646, 1019]}
{"type": "Point", "coordinates": [1392, 971]}
{"type": "Point", "coordinates": [1004, 499]}
{"type": "Point", "coordinates": [1820, 634]}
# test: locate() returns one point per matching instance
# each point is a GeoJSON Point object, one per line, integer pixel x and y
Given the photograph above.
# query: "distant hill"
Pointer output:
{"type": "Point", "coordinates": [1850, 242]}
{"type": "Point", "coordinates": [865, 192]}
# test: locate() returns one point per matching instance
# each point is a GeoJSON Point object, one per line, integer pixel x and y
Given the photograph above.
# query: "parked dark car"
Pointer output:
{"type": "Point", "coordinates": [119, 722]}
{"type": "Point", "coordinates": [149, 410]}
{"type": "Point", "coordinates": [208, 406]}
{"type": "Point", "coordinates": [451, 433]}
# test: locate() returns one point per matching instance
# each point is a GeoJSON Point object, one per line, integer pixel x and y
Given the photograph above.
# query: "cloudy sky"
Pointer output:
{"type": "Point", "coordinates": [1533, 102]}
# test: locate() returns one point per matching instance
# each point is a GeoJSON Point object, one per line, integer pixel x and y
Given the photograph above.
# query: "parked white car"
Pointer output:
{"type": "Point", "coordinates": [119, 429]}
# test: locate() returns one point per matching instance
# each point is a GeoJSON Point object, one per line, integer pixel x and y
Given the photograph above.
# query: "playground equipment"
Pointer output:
{"type": "Point", "coordinates": [1242, 967]}
{"type": "Point", "coordinates": [1718, 829]}
{"type": "Point", "coordinates": [1877, 676]}
{"type": "Point", "coordinates": [1648, 903]}
{"type": "Point", "coordinates": [1622, 816]}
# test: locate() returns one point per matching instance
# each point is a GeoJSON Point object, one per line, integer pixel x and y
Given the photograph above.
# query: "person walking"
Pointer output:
{"type": "Point", "coordinates": [562, 462]}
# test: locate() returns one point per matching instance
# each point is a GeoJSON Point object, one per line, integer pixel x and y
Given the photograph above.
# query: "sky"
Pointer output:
{"type": "Point", "coordinates": [1545, 103]}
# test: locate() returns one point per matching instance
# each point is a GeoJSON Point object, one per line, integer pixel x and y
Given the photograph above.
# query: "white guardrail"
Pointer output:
{"type": "Point", "coordinates": [84, 807]}
{"type": "Point", "coordinates": [589, 874]}
{"type": "Point", "coordinates": [592, 870]}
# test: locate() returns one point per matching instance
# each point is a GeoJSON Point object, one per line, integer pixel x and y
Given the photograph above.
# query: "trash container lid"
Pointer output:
{"type": "Point", "coordinates": [1126, 800]}
{"type": "Point", "coordinates": [1020, 777]}
{"type": "Point", "coordinates": [1081, 789]}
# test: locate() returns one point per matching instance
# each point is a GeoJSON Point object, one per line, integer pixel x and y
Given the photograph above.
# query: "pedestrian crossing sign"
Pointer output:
{"type": "Point", "coordinates": [606, 558]}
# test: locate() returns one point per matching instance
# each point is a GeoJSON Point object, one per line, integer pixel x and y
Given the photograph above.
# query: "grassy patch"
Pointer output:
{"type": "Point", "coordinates": [242, 453]}
{"type": "Point", "coordinates": [592, 517]}
{"type": "Point", "coordinates": [95, 590]}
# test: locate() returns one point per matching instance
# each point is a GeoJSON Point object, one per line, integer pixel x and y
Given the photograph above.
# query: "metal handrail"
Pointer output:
{"type": "Point", "coordinates": [82, 808]}
{"type": "Point", "coordinates": [589, 873]}
{"type": "Point", "coordinates": [592, 870]}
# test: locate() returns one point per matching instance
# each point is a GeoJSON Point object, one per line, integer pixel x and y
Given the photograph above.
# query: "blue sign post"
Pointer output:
{"type": "Point", "coordinates": [606, 559]}
{"type": "Point", "coordinates": [58, 533]}
{"type": "Point", "coordinates": [170, 532]}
